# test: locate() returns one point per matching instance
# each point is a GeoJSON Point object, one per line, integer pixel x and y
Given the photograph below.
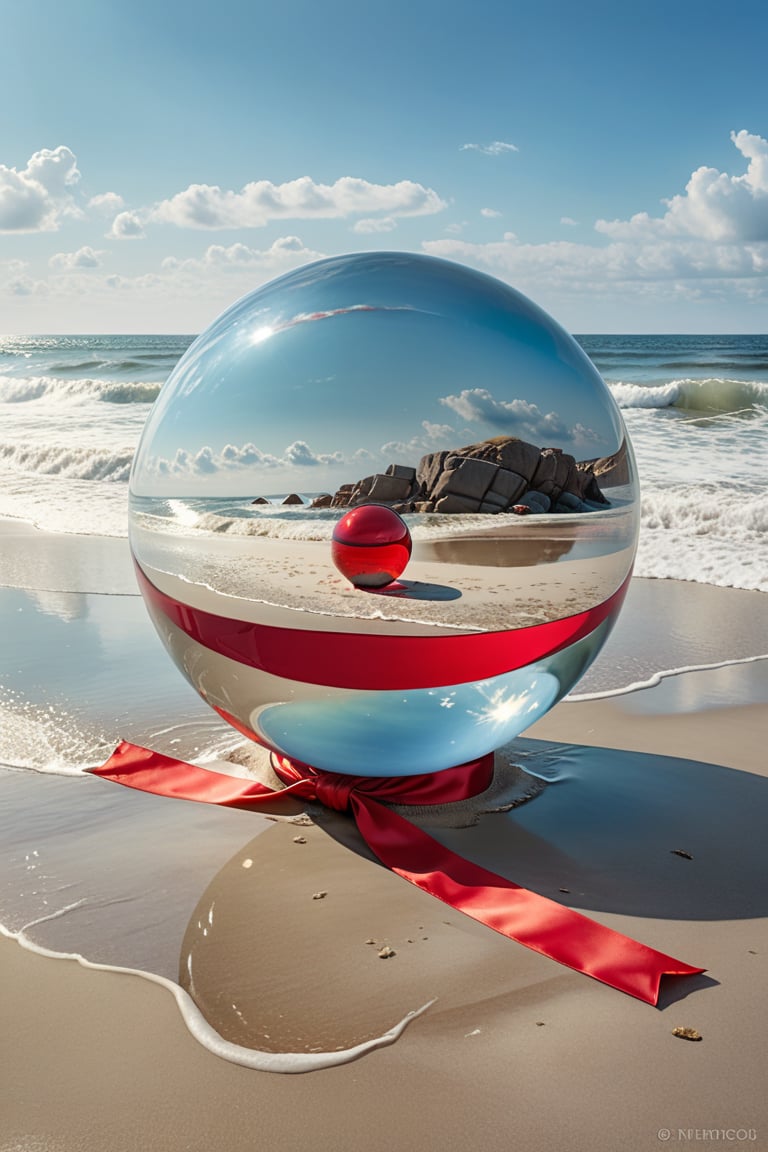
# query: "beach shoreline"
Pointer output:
{"type": "Point", "coordinates": [515, 1047]}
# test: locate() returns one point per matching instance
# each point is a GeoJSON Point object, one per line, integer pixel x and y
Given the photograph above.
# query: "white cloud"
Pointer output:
{"type": "Point", "coordinates": [285, 253]}
{"type": "Point", "coordinates": [456, 228]}
{"type": "Point", "coordinates": [24, 286]}
{"type": "Point", "coordinates": [495, 148]}
{"type": "Point", "coordinates": [490, 213]}
{"type": "Point", "coordinates": [107, 202]}
{"type": "Point", "coordinates": [375, 224]}
{"type": "Point", "coordinates": [524, 419]}
{"type": "Point", "coordinates": [437, 431]}
{"type": "Point", "coordinates": [126, 226]}
{"type": "Point", "coordinates": [246, 457]}
{"type": "Point", "coordinates": [715, 206]}
{"type": "Point", "coordinates": [565, 263]}
{"type": "Point", "coordinates": [210, 207]}
{"type": "Point", "coordinates": [569, 221]}
{"type": "Point", "coordinates": [300, 455]}
{"type": "Point", "coordinates": [36, 198]}
{"type": "Point", "coordinates": [85, 257]}
{"type": "Point", "coordinates": [408, 450]}
{"type": "Point", "coordinates": [717, 232]}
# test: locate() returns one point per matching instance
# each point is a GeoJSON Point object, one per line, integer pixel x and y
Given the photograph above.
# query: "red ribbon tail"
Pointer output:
{"type": "Point", "coordinates": [533, 920]}
{"type": "Point", "coordinates": [149, 771]}
{"type": "Point", "coordinates": [539, 923]}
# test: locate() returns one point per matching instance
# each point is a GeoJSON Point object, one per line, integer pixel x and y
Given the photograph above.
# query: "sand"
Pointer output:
{"type": "Point", "coordinates": [515, 1051]}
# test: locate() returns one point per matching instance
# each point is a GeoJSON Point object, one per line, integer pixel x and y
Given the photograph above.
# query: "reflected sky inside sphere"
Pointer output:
{"type": "Point", "coordinates": [353, 363]}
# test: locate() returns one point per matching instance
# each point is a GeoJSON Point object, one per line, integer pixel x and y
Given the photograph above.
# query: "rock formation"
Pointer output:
{"type": "Point", "coordinates": [496, 475]}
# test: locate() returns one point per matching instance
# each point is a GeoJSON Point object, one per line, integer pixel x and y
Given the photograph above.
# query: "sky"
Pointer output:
{"type": "Point", "coordinates": [443, 356]}
{"type": "Point", "coordinates": [159, 161]}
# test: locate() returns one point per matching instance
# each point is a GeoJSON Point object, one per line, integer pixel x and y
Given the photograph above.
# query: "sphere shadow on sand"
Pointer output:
{"type": "Point", "coordinates": [611, 827]}
{"type": "Point", "coordinates": [416, 590]}
{"type": "Point", "coordinates": [613, 833]}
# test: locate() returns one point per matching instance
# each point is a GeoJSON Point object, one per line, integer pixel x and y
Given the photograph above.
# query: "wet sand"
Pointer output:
{"type": "Point", "coordinates": [516, 1051]}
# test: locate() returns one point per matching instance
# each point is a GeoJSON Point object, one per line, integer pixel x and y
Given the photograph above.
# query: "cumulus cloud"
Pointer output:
{"type": "Point", "coordinates": [286, 252]}
{"type": "Point", "coordinates": [524, 419]}
{"type": "Point", "coordinates": [717, 231]}
{"type": "Point", "coordinates": [85, 257]}
{"type": "Point", "coordinates": [495, 148]}
{"type": "Point", "coordinates": [714, 206]}
{"type": "Point", "coordinates": [567, 264]}
{"type": "Point", "coordinates": [437, 431]}
{"type": "Point", "coordinates": [406, 450]}
{"type": "Point", "coordinates": [126, 226]}
{"type": "Point", "coordinates": [240, 458]}
{"type": "Point", "coordinates": [107, 202]}
{"type": "Point", "coordinates": [375, 224]}
{"type": "Point", "coordinates": [25, 286]}
{"type": "Point", "coordinates": [490, 213]}
{"type": "Point", "coordinates": [300, 455]}
{"type": "Point", "coordinates": [569, 221]}
{"type": "Point", "coordinates": [36, 198]}
{"type": "Point", "coordinates": [207, 206]}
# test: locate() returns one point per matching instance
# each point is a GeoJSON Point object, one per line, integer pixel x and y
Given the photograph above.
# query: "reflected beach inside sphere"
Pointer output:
{"type": "Point", "coordinates": [443, 396]}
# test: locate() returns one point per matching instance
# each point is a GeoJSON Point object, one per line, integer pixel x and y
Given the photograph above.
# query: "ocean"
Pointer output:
{"type": "Point", "coordinates": [82, 671]}
{"type": "Point", "coordinates": [696, 408]}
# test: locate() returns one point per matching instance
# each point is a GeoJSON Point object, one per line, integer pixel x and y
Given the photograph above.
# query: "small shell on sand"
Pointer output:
{"type": "Point", "coordinates": [319, 895]}
{"type": "Point", "coordinates": [299, 839]}
{"type": "Point", "coordinates": [687, 1033]}
{"type": "Point", "coordinates": [386, 952]}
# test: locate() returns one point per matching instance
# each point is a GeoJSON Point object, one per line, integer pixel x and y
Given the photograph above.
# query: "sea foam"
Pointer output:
{"type": "Point", "coordinates": [24, 389]}
{"type": "Point", "coordinates": [714, 393]}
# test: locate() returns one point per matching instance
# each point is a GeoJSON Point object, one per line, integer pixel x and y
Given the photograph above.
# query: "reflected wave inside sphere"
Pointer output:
{"type": "Point", "coordinates": [384, 513]}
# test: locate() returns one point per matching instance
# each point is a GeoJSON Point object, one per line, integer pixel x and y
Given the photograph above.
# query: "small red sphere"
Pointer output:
{"type": "Point", "coordinates": [371, 545]}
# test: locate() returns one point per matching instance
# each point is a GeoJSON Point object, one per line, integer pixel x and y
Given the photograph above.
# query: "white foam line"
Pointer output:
{"type": "Point", "coordinates": [66, 591]}
{"type": "Point", "coordinates": [201, 1030]}
{"type": "Point", "coordinates": [716, 416]}
{"type": "Point", "coordinates": [654, 680]}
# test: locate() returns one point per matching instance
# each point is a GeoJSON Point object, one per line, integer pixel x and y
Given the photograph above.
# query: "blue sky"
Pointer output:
{"type": "Point", "coordinates": [157, 161]}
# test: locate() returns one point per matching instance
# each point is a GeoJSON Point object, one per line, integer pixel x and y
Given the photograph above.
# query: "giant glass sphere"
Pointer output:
{"type": "Point", "coordinates": [394, 381]}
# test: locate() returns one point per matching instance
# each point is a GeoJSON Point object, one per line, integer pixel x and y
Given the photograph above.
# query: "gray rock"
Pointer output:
{"type": "Point", "coordinates": [388, 488]}
{"type": "Point", "coordinates": [570, 503]}
{"type": "Point", "coordinates": [464, 476]}
{"type": "Point", "coordinates": [402, 471]}
{"type": "Point", "coordinates": [454, 503]}
{"type": "Point", "coordinates": [509, 485]}
{"type": "Point", "coordinates": [493, 498]}
{"type": "Point", "coordinates": [492, 475]}
{"type": "Point", "coordinates": [429, 470]}
{"type": "Point", "coordinates": [536, 501]}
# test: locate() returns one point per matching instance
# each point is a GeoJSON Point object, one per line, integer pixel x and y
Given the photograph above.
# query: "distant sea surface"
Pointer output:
{"type": "Point", "coordinates": [696, 407]}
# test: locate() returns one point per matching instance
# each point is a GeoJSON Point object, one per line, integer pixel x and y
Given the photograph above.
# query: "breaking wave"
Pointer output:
{"type": "Point", "coordinates": [713, 394]}
{"type": "Point", "coordinates": [74, 463]}
{"type": "Point", "coordinates": [26, 388]}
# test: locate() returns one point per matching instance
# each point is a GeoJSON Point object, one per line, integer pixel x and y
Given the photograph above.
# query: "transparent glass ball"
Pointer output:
{"type": "Point", "coordinates": [404, 383]}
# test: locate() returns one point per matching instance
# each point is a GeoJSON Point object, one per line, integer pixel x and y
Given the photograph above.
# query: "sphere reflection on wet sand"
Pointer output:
{"type": "Point", "coordinates": [453, 404]}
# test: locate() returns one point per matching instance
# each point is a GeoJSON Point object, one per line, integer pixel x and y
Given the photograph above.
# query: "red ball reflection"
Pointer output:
{"type": "Point", "coordinates": [371, 545]}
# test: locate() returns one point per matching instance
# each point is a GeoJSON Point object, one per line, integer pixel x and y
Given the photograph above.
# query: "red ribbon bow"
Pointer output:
{"type": "Point", "coordinates": [533, 920]}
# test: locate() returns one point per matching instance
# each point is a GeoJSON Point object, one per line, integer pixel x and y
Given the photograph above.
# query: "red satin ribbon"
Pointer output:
{"type": "Point", "coordinates": [531, 919]}
{"type": "Point", "coordinates": [373, 662]}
